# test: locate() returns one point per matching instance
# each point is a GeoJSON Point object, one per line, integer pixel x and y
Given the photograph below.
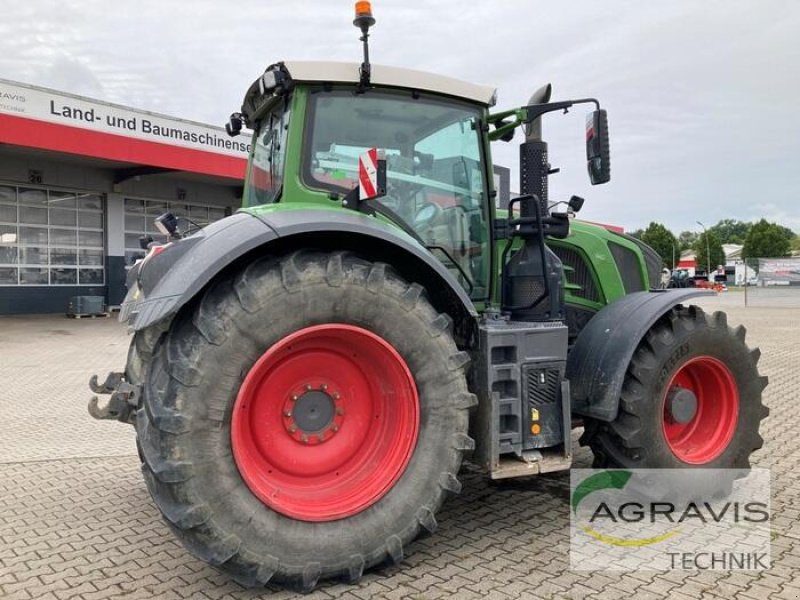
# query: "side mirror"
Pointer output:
{"type": "Point", "coordinates": [598, 150]}
{"type": "Point", "coordinates": [234, 125]}
{"type": "Point", "coordinates": [167, 224]}
{"type": "Point", "coordinates": [575, 203]}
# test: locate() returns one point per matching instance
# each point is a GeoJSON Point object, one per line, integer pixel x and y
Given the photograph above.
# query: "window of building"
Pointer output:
{"type": "Point", "coordinates": [140, 218]}
{"type": "Point", "coordinates": [50, 237]}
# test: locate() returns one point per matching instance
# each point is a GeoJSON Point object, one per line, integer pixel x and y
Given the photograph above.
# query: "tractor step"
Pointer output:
{"type": "Point", "coordinates": [531, 463]}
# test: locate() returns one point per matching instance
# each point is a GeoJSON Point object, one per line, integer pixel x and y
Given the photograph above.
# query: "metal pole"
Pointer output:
{"type": "Point", "coordinates": [744, 260]}
{"type": "Point", "coordinates": [708, 252]}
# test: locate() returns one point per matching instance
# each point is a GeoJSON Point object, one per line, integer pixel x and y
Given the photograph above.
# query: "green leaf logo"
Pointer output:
{"type": "Point", "coordinates": [611, 480]}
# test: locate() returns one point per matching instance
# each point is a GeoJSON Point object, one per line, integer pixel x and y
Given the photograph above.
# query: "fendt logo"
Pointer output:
{"type": "Point", "coordinates": [674, 514]}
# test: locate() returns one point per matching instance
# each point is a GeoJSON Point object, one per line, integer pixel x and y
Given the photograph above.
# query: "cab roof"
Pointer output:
{"type": "Point", "coordinates": [348, 72]}
{"type": "Point", "coordinates": [381, 75]}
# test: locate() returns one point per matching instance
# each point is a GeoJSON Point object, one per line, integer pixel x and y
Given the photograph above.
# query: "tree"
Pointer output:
{"type": "Point", "coordinates": [637, 233]}
{"type": "Point", "coordinates": [701, 250]}
{"type": "Point", "coordinates": [795, 245]}
{"type": "Point", "coordinates": [731, 231]}
{"type": "Point", "coordinates": [687, 239]}
{"type": "Point", "coordinates": [766, 240]}
{"type": "Point", "coordinates": [790, 235]}
{"type": "Point", "coordinates": [660, 239]}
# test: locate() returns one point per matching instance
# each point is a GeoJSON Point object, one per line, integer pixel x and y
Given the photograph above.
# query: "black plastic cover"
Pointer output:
{"type": "Point", "coordinates": [506, 353]}
{"type": "Point", "coordinates": [172, 278]}
{"type": "Point", "coordinates": [598, 361]}
{"type": "Point", "coordinates": [167, 281]}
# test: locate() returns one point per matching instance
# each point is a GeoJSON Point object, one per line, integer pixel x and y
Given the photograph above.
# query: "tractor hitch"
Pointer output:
{"type": "Point", "coordinates": [123, 401]}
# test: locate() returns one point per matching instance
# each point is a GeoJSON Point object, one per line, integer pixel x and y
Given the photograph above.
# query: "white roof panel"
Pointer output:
{"type": "Point", "coordinates": [348, 72]}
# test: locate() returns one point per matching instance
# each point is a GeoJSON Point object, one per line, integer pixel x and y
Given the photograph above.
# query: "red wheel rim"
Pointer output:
{"type": "Point", "coordinates": [708, 433]}
{"type": "Point", "coordinates": [325, 422]}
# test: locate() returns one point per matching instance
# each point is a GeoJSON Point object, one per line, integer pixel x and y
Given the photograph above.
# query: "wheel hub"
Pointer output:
{"type": "Point", "coordinates": [314, 411]}
{"type": "Point", "coordinates": [313, 415]}
{"type": "Point", "coordinates": [681, 404]}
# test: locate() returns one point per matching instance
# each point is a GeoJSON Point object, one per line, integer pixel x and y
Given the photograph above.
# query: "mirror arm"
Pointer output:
{"type": "Point", "coordinates": [503, 128]}
{"type": "Point", "coordinates": [495, 117]}
{"type": "Point", "coordinates": [535, 111]}
{"type": "Point", "coordinates": [526, 114]}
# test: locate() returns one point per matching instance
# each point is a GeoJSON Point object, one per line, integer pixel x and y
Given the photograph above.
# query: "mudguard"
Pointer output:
{"type": "Point", "coordinates": [598, 361]}
{"type": "Point", "coordinates": [159, 286]}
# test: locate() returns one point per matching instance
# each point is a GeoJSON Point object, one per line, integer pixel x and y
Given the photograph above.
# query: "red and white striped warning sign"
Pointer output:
{"type": "Point", "coordinates": [369, 180]}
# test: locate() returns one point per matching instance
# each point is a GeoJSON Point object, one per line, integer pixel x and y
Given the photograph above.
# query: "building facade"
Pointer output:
{"type": "Point", "coordinates": [82, 180]}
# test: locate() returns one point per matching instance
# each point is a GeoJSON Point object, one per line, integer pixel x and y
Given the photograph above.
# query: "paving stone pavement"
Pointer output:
{"type": "Point", "coordinates": [76, 520]}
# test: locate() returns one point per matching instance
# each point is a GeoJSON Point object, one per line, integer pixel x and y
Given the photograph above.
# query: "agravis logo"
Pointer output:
{"type": "Point", "coordinates": [641, 518]}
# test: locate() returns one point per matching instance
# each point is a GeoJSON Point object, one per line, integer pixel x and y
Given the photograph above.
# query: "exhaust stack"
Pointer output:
{"type": "Point", "coordinates": [534, 166]}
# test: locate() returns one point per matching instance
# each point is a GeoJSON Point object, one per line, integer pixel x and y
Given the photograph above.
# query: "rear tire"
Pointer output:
{"type": "Point", "coordinates": [140, 355]}
{"type": "Point", "coordinates": [685, 349]}
{"type": "Point", "coordinates": [184, 427]}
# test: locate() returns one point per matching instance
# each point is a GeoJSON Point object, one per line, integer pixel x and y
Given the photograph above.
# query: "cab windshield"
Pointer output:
{"type": "Point", "coordinates": [435, 179]}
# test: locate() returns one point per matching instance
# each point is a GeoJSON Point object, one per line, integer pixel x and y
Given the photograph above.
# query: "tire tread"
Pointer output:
{"type": "Point", "coordinates": [165, 421]}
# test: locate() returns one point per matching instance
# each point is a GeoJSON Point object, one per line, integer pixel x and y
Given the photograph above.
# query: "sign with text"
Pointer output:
{"type": "Point", "coordinates": [779, 271]}
{"type": "Point", "coordinates": [41, 104]}
{"type": "Point", "coordinates": [665, 519]}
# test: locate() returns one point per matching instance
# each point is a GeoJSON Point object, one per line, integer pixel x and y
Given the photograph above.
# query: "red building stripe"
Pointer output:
{"type": "Point", "coordinates": [32, 133]}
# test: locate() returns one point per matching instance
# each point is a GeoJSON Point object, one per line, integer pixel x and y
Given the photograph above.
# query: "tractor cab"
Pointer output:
{"type": "Point", "coordinates": [412, 149]}
{"type": "Point", "coordinates": [429, 129]}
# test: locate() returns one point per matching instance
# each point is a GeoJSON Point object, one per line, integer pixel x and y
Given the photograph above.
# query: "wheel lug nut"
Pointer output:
{"type": "Point", "coordinates": [339, 410]}
{"type": "Point", "coordinates": [294, 397]}
{"type": "Point", "coordinates": [324, 387]}
{"type": "Point", "coordinates": [335, 427]}
{"type": "Point", "coordinates": [308, 387]}
{"type": "Point", "coordinates": [304, 438]}
{"type": "Point", "coordinates": [287, 413]}
{"type": "Point", "coordinates": [292, 428]}
{"type": "Point", "coordinates": [336, 395]}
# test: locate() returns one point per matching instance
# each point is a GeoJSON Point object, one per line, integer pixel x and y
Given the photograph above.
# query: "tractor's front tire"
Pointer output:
{"type": "Point", "coordinates": [691, 398]}
{"type": "Point", "coordinates": [305, 419]}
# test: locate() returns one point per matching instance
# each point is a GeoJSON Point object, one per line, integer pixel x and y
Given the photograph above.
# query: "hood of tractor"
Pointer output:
{"type": "Point", "coordinates": [290, 72]}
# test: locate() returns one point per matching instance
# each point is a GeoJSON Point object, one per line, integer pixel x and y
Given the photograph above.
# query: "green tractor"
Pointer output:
{"type": "Point", "coordinates": [307, 375]}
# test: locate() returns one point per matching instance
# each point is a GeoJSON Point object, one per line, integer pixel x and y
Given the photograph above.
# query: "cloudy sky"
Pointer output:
{"type": "Point", "coordinates": [701, 96]}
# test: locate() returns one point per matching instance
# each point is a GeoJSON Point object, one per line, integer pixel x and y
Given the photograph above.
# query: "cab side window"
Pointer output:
{"type": "Point", "coordinates": [265, 174]}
